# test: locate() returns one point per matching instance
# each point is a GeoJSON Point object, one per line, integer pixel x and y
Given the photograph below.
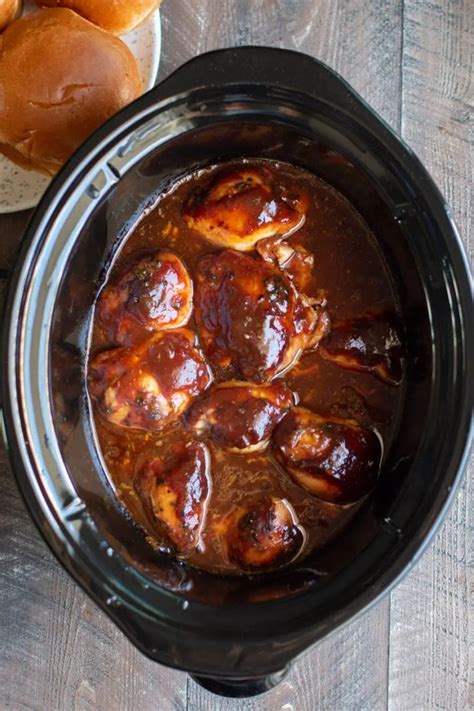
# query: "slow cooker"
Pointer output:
{"type": "Point", "coordinates": [236, 636]}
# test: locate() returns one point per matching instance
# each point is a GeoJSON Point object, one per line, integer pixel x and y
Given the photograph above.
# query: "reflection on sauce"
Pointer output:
{"type": "Point", "coordinates": [251, 496]}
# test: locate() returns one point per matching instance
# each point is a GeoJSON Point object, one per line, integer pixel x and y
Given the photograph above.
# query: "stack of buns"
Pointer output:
{"type": "Point", "coordinates": [62, 74]}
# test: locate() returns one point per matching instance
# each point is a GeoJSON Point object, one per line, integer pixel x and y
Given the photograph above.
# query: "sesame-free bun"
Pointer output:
{"type": "Point", "coordinates": [116, 16]}
{"type": "Point", "coordinates": [60, 78]}
{"type": "Point", "coordinates": [9, 9]}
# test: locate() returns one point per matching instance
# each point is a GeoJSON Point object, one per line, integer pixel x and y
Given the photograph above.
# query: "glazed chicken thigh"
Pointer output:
{"type": "Point", "coordinates": [244, 206]}
{"type": "Point", "coordinates": [238, 416]}
{"type": "Point", "coordinates": [149, 385]}
{"type": "Point", "coordinates": [333, 458]}
{"type": "Point", "coordinates": [370, 344]}
{"type": "Point", "coordinates": [262, 534]}
{"type": "Point", "coordinates": [153, 294]}
{"type": "Point", "coordinates": [175, 491]}
{"type": "Point", "coordinates": [251, 319]}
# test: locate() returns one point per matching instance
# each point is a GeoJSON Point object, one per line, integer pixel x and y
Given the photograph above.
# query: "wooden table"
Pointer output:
{"type": "Point", "coordinates": [412, 61]}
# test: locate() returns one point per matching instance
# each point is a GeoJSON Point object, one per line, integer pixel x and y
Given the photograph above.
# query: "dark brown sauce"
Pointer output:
{"type": "Point", "coordinates": [350, 267]}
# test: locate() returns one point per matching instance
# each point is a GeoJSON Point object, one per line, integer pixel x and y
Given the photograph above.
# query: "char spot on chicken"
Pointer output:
{"type": "Point", "coordinates": [239, 416]}
{"type": "Point", "coordinates": [262, 534]}
{"type": "Point", "coordinates": [243, 206]}
{"type": "Point", "coordinates": [175, 491]}
{"type": "Point", "coordinates": [153, 294]}
{"type": "Point", "coordinates": [149, 385]}
{"type": "Point", "coordinates": [251, 319]}
{"type": "Point", "coordinates": [335, 459]}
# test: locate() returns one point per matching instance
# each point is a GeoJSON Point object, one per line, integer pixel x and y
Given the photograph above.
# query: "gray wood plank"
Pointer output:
{"type": "Point", "coordinates": [432, 614]}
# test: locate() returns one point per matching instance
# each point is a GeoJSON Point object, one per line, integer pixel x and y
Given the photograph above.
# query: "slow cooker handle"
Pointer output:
{"type": "Point", "coordinates": [268, 67]}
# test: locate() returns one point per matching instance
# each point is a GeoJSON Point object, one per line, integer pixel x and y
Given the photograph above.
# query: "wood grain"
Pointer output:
{"type": "Point", "coordinates": [432, 615]}
{"type": "Point", "coordinates": [361, 40]}
{"type": "Point", "coordinates": [412, 60]}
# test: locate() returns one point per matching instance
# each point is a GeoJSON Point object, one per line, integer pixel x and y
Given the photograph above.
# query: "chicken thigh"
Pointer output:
{"type": "Point", "coordinates": [149, 385]}
{"type": "Point", "coordinates": [263, 534]}
{"type": "Point", "coordinates": [243, 206]}
{"type": "Point", "coordinates": [251, 319]}
{"type": "Point", "coordinates": [175, 490]}
{"type": "Point", "coordinates": [335, 459]}
{"type": "Point", "coordinates": [238, 416]}
{"type": "Point", "coordinates": [369, 344]}
{"type": "Point", "coordinates": [155, 293]}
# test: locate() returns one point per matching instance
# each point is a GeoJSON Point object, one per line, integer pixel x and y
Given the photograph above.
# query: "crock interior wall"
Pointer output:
{"type": "Point", "coordinates": [383, 208]}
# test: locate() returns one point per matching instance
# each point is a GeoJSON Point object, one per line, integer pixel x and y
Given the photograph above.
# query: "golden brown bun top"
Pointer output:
{"type": "Point", "coordinates": [9, 9]}
{"type": "Point", "coordinates": [116, 16]}
{"type": "Point", "coordinates": [60, 78]}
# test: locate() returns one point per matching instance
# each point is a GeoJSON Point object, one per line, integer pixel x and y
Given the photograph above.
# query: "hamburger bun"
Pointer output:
{"type": "Point", "coordinates": [116, 16]}
{"type": "Point", "coordinates": [60, 78]}
{"type": "Point", "coordinates": [9, 9]}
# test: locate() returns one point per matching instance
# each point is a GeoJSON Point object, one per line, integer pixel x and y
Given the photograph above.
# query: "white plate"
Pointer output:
{"type": "Point", "coordinates": [22, 189]}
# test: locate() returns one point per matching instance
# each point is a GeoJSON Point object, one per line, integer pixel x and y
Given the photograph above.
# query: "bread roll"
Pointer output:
{"type": "Point", "coordinates": [9, 9]}
{"type": "Point", "coordinates": [116, 16]}
{"type": "Point", "coordinates": [60, 78]}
